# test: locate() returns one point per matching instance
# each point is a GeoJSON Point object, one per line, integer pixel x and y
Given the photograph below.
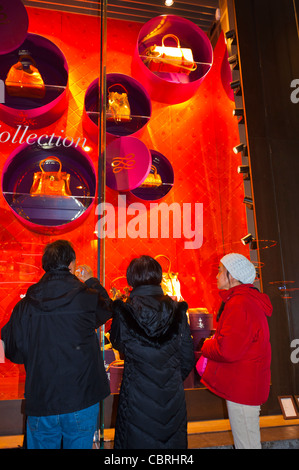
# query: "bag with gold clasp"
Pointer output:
{"type": "Point", "coordinates": [153, 179]}
{"type": "Point", "coordinates": [118, 105]}
{"type": "Point", "coordinates": [50, 183]}
{"type": "Point", "coordinates": [24, 78]}
{"type": "Point", "coordinates": [171, 59]}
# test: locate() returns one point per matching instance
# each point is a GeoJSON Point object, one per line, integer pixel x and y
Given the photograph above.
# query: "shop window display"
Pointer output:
{"type": "Point", "coordinates": [188, 144]}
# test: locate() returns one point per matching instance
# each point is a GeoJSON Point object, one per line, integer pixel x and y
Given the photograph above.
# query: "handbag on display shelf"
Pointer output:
{"type": "Point", "coordinates": [24, 79]}
{"type": "Point", "coordinates": [116, 293]}
{"type": "Point", "coordinates": [50, 183]}
{"type": "Point", "coordinates": [118, 105]}
{"type": "Point", "coordinates": [152, 180]}
{"type": "Point", "coordinates": [170, 283]}
{"type": "Point", "coordinates": [169, 58]}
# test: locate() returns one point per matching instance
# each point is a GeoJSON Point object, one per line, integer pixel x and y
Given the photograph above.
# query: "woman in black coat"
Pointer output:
{"type": "Point", "coordinates": [152, 332]}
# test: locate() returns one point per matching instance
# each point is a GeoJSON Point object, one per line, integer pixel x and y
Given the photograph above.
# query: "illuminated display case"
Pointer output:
{"type": "Point", "coordinates": [187, 143]}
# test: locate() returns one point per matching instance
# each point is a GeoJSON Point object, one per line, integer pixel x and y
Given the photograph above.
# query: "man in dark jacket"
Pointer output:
{"type": "Point", "coordinates": [52, 332]}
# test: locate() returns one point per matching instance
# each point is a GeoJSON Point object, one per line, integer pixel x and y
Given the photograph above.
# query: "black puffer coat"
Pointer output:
{"type": "Point", "coordinates": [152, 332]}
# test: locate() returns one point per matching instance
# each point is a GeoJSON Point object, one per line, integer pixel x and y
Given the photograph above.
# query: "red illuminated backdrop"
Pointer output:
{"type": "Point", "coordinates": [197, 137]}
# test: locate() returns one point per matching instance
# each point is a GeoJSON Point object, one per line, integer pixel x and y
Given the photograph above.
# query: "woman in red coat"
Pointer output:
{"type": "Point", "coordinates": [239, 355]}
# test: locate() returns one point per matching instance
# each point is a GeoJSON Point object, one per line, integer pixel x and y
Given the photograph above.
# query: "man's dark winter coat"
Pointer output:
{"type": "Point", "coordinates": [52, 332]}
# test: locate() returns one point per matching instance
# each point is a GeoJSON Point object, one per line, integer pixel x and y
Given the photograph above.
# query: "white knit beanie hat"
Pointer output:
{"type": "Point", "coordinates": [239, 267]}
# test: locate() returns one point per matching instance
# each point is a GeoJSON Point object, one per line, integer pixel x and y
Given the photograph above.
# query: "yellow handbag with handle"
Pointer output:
{"type": "Point", "coordinates": [50, 183]}
{"type": "Point", "coordinates": [24, 78]}
{"type": "Point", "coordinates": [153, 179]}
{"type": "Point", "coordinates": [170, 59]}
{"type": "Point", "coordinates": [170, 283]}
{"type": "Point", "coordinates": [118, 105]}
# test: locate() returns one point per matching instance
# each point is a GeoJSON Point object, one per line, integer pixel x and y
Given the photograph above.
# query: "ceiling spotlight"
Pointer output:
{"type": "Point", "coordinates": [244, 170]}
{"type": "Point", "coordinates": [249, 202]}
{"type": "Point", "coordinates": [240, 148]}
{"type": "Point", "coordinates": [234, 62]}
{"type": "Point", "coordinates": [168, 3]}
{"type": "Point", "coordinates": [249, 239]}
{"type": "Point", "coordinates": [238, 112]}
{"type": "Point", "coordinates": [231, 35]}
{"type": "Point", "coordinates": [236, 87]}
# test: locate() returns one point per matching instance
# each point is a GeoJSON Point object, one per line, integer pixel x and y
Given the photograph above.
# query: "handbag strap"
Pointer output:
{"type": "Point", "coordinates": [164, 256]}
{"type": "Point", "coordinates": [117, 84]}
{"type": "Point", "coordinates": [50, 159]}
{"type": "Point", "coordinates": [173, 36]}
{"type": "Point", "coordinates": [27, 57]}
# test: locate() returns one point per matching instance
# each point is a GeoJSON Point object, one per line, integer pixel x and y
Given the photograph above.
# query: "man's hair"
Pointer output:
{"type": "Point", "coordinates": [58, 255]}
{"type": "Point", "coordinates": [144, 271]}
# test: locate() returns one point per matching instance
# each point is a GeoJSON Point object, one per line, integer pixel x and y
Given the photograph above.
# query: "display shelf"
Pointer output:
{"type": "Point", "coordinates": [172, 87]}
{"type": "Point", "coordinates": [52, 65]}
{"type": "Point", "coordinates": [139, 105]}
{"type": "Point", "coordinates": [164, 180]}
{"type": "Point", "coordinates": [45, 212]}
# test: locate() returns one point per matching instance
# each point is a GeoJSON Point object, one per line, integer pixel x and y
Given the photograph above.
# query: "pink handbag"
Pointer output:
{"type": "Point", "coordinates": [201, 365]}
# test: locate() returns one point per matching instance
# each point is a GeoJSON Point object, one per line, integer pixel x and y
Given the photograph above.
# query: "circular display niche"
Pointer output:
{"type": "Point", "coordinates": [50, 188]}
{"type": "Point", "coordinates": [34, 109]}
{"type": "Point", "coordinates": [165, 80]}
{"type": "Point", "coordinates": [128, 107]}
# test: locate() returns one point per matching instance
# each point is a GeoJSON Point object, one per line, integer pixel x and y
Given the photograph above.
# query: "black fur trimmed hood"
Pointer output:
{"type": "Point", "coordinates": [154, 319]}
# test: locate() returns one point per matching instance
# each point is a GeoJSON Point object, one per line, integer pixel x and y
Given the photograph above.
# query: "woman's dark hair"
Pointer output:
{"type": "Point", "coordinates": [144, 271]}
{"type": "Point", "coordinates": [58, 255]}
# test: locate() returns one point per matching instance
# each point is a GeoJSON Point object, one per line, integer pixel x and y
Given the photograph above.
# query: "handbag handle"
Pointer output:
{"type": "Point", "coordinates": [154, 169]}
{"type": "Point", "coordinates": [173, 36]}
{"type": "Point", "coordinates": [51, 159]}
{"type": "Point", "coordinates": [27, 57]}
{"type": "Point", "coordinates": [117, 84]}
{"type": "Point", "coordinates": [164, 256]}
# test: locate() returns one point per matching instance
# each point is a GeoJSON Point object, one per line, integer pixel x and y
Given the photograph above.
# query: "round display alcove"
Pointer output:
{"type": "Point", "coordinates": [172, 58]}
{"type": "Point", "coordinates": [36, 83]}
{"type": "Point", "coordinates": [159, 181]}
{"type": "Point", "coordinates": [50, 185]}
{"type": "Point", "coordinates": [128, 107]}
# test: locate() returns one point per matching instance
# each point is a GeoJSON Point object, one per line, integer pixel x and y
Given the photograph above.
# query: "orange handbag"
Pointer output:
{"type": "Point", "coordinates": [118, 105]}
{"type": "Point", "coordinates": [24, 79]}
{"type": "Point", "coordinates": [169, 58]}
{"type": "Point", "coordinates": [153, 179]}
{"type": "Point", "coordinates": [50, 183]}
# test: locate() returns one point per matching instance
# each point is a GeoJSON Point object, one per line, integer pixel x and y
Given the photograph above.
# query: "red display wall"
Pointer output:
{"type": "Point", "coordinates": [197, 138]}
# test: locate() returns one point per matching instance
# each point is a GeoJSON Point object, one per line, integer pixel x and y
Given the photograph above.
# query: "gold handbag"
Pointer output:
{"type": "Point", "coordinates": [170, 283]}
{"type": "Point", "coordinates": [118, 105]}
{"type": "Point", "coordinates": [121, 293]}
{"type": "Point", "coordinates": [169, 58]}
{"type": "Point", "coordinates": [24, 79]}
{"type": "Point", "coordinates": [50, 183]}
{"type": "Point", "coordinates": [153, 179]}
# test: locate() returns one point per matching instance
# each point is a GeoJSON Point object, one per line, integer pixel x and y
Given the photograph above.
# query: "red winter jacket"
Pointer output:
{"type": "Point", "coordinates": [239, 355]}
